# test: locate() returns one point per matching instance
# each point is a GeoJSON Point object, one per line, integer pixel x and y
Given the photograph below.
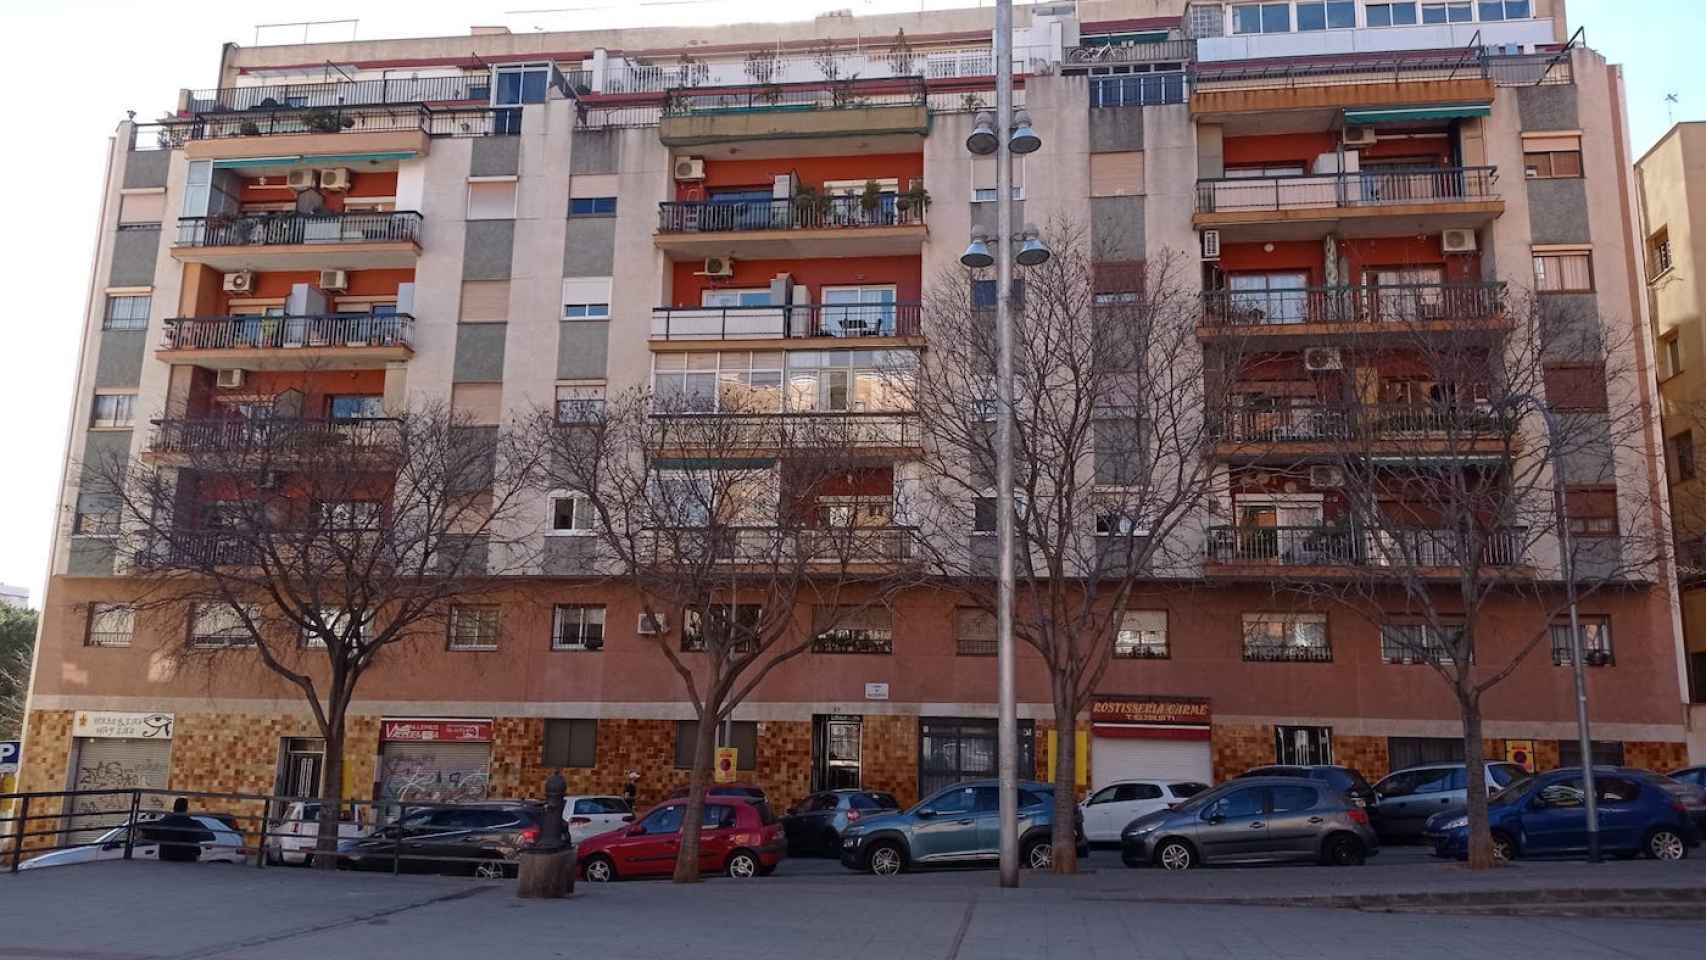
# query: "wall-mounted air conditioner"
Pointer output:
{"type": "Point", "coordinates": [240, 281]}
{"type": "Point", "coordinates": [230, 379]}
{"type": "Point", "coordinates": [689, 168]}
{"type": "Point", "coordinates": [1457, 241]}
{"type": "Point", "coordinates": [1321, 358]}
{"type": "Point", "coordinates": [717, 267]}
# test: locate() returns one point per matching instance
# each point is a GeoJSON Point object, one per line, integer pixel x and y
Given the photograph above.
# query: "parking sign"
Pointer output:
{"type": "Point", "coordinates": [10, 751]}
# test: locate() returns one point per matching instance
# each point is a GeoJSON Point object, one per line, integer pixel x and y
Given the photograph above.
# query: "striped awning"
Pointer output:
{"type": "Point", "coordinates": [1405, 114]}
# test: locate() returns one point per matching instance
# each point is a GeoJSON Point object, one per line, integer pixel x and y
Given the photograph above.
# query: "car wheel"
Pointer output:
{"type": "Point", "coordinates": [1344, 850]}
{"type": "Point", "coordinates": [886, 860]}
{"type": "Point", "coordinates": [1666, 844]}
{"type": "Point", "coordinates": [1039, 855]}
{"type": "Point", "coordinates": [1504, 848]}
{"type": "Point", "coordinates": [490, 870]}
{"type": "Point", "coordinates": [742, 865]}
{"type": "Point", "coordinates": [599, 869]}
{"type": "Point", "coordinates": [1175, 855]}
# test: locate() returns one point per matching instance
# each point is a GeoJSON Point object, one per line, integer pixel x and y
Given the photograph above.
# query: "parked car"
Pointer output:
{"type": "Point", "coordinates": [742, 790]}
{"type": "Point", "coordinates": [219, 844]}
{"type": "Point", "coordinates": [294, 835]}
{"type": "Point", "coordinates": [1108, 810]}
{"type": "Point", "coordinates": [1546, 815]}
{"type": "Point", "coordinates": [1694, 775]}
{"type": "Point", "coordinates": [1345, 779]}
{"type": "Point", "coordinates": [739, 837]}
{"type": "Point", "coordinates": [589, 816]}
{"type": "Point", "coordinates": [1255, 820]}
{"type": "Point", "coordinates": [955, 825]}
{"type": "Point", "coordinates": [1406, 798]}
{"type": "Point", "coordinates": [814, 825]}
{"type": "Point", "coordinates": [475, 838]}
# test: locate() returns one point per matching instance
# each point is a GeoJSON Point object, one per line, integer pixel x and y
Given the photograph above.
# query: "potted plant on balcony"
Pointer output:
{"type": "Point", "coordinates": [249, 128]}
{"type": "Point", "coordinates": [901, 58]}
{"type": "Point", "coordinates": [870, 200]}
{"type": "Point", "coordinates": [811, 208]}
{"type": "Point", "coordinates": [914, 201]}
{"type": "Point", "coordinates": [321, 120]}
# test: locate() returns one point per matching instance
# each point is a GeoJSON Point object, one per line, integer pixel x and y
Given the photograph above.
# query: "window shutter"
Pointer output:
{"type": "Point", "coordinates": [1116, 174]}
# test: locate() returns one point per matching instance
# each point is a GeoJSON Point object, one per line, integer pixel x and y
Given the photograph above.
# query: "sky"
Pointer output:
{"type": "Point", "coordinates": [136, 55]}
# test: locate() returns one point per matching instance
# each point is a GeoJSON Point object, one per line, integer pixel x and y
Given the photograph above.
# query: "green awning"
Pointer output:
{"type": "Point", "coordinates": [1403, 114]}
{"type": "Point", "coordinates": [317, 159]}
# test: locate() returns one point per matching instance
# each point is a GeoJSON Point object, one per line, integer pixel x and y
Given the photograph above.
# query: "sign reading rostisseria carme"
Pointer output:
{"type": "Point", "coordinates": [114, 725]}
{"type": "Point", "coordinates": [1168, 718]}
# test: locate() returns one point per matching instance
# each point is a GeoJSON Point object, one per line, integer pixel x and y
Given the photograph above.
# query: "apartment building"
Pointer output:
{"type": "Point", "coordinates": [500, 220]}
{"type": "Point", "coordinates": [1671, 190]}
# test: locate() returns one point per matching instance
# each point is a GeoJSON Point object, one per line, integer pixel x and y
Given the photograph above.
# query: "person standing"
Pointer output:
{"type": "Point", "coordinates": [179, 835]}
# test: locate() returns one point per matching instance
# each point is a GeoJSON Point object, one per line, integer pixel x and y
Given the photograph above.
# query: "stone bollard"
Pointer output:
{"type": "Point", "coordinates": [547, 869]}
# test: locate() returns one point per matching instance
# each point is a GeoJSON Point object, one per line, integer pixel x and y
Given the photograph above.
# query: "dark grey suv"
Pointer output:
{"type": "Point", "coordinates": [1254, 820]}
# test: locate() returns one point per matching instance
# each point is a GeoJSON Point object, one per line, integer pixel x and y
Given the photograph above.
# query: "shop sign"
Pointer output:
{"type": "Point", "coordinates": [10, 751]}
{"type": "Point", "coordinates": [1521, 753]}
{"type": "Point", "coordinates": [436, 731]}
{"type": "Point", "coordinates": [1161, 718]}
{"type": "Point", "coordinates": [111, 725]}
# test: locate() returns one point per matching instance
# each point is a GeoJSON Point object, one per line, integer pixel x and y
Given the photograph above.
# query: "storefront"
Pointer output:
{"type": "Point", "coordinates": [116, 751]}
{"type": "Point", "coordinates": [1161, 738]}
{"type": "Point", "coordinates": [434, 760]}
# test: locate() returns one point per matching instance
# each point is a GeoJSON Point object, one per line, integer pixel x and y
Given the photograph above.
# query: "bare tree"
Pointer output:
{"type": "Point", "coordinates": [318, 549]}
{"type": "Point", "coordinates": [738, 521]}
{"type": "Point", "coordinates": [1454, 452]}
{"type": "Point", "coordinates": [1113, 409]}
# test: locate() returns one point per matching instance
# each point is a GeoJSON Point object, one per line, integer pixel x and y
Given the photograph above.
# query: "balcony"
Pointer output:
{"type": "Point", "coordinates": [401, 130]}
{"type": "Point", "coordinates": [333, 341]}
{"type": "Point", "coordinates": [277, 439]}
{"type": "Point", "coordinates": [829, 433]}
{"type": "Point", "coordinates": [894, 110]}
{"type": "Point", "coordinates": [804, 321]}
{"type": "Point", "coordinates": [1390, 429]}
{"type": "Point", "coordinates": [299, 241]}
{"type": "Point", "coordinates": [1115, 54]}
{"type": "Point", "coordinates": [853, 547]}
{"type": "Point", "coordinates": [464, 89]}
{"type": "Point", "coordinates": [1314, 312]}
{"type": "Point", "coordinates": [1345, 81]}
{"type": "Point", "coordinates": [1356, 205]}
{"type": "Point", "coordinates": [1255, 552]}
{"type": "Point", "coordinates": [792, 228]}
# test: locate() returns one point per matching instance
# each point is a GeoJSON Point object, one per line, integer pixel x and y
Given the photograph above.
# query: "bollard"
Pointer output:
{"type": "Point", "coordinates": [547, 869]}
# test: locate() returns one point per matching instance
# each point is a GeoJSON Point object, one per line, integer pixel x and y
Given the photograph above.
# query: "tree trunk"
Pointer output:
{"type": "Point", "coordinates": [1064, 837]}
{"type": "Point", "coordinates": [687, 860]}
{"type": "Point", "coordinates": [331, 798]}
{"type": "Point", "coordinates": [1474, 767]}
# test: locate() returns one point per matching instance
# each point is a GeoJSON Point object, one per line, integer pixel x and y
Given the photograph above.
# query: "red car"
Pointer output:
{"type": "Point", "coordinates": [742, 838]}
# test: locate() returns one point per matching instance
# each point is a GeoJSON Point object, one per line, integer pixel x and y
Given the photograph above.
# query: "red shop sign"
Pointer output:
{"type": "Point", "coordinates": [436, 731]}
{"type": "Point", "coordinates": [1151, 718]}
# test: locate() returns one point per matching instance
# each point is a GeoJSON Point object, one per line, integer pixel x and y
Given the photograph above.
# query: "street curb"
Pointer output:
{"type": "Point", "coordinates": [1651, 902]}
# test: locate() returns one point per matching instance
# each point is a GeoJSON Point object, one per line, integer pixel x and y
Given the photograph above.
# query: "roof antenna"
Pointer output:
{"type": "Point", "coordinates": [1671, 100]}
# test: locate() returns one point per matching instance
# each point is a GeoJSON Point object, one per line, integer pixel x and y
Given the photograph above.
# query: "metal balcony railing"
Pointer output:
{"type": "Point", "coordinates": [310, 120]}
{"type": "Point", "coordinates": [1288, 652]}
{"type": "Point", "coordinates": [795, 97]}
{"type": "Point", "coordinates": [779, 545]}
{"type": "Point", "coordinates": [276, 436]}
{"type": "Point", "coordinates": [1327, 422]}
{"type": "Point", "coordinates": [1325, 546]}
{"type": "Point", "coordinates": [817, 213]}
{"type": "Point", "coordinates": [295, 228]}
{"type": "Point", "coordinates": [804, 320]}
{"type": "Point", "coordinates": [1407, 304]}
{"type": "Point", "coordinates": [1154, 51]}
{"type": "Point", "coordinates": [1332, 70]}
{"type": "Point", "coordinates": [1368, 188]}
{"type": "Point", "coordinates": [269, 333]}
{"type": "Point", "coordinates": [475, 87]}
{"type": "Point", "coordinates": [803, 432]}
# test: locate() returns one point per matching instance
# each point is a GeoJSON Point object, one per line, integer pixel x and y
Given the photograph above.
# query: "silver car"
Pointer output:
{"type": "Point", "coordinates": [1254, 820]}
{"type": "Point", "coordinates": [1406, 798]}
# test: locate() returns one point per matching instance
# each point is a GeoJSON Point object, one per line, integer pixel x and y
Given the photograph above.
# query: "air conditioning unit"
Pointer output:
{"type": "Point", "coordinates": [1323, 476]}
{"type": "Point", "coordinates": [1457, 241]}
{"type": "Point", "coordinates": [242, 281]}
{"type": "Point", "coordinates": [301, 180]}
{"type": "Point", "coordinates": [717, 267]}
{"type": "Point", "coordinates": [335, 281]}
{"type": "Point", "coordinates": [1359, 137]}
{"type": "Point", "coordinates": [230, 379]}
{"type": "Point", "coordinates": [1211, 244]}
{"type": "Point", "coordinates": [334, 178]}
{"type": "Point", "coordinates": [650, 627]}
{"type": "Point", "coordinates": [1321, 358]}
{"type": "Point", "coordinates": [690, 168]}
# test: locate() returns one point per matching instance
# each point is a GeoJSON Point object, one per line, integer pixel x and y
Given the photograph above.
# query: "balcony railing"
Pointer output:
{"type": "Point", "coordinates": [1138, 90]}
{"type": "Point", "coordinates": [269, 333]}
{"type": "Point", "coordinates": [1408, 304]}
{"type": "Point", "coordinates": [1368, 188]}
{"type": "Point", "coordinates": [1325, 422]}
{"type": "Point", "coordinates": [777, 322]}
{"type": "Point", "coordinates": [821, 430]}
{"type": "Point", "coordinates": [1341, 69]}
{"type": "Point", "coordinates": [777, 545]}
{"type": "Point", "coordinates": [1154, 51]}
{"type": "Point", "coordinates": [825, 213]}
{"type": "Point", "coordinates": [277, 436]}
{"type": "Point", "coordinates": [1323, 546]}
{"type": "Point", "coordinates": [796, 97]}
{"type": "Point", "coordinates": [298, 228]}
{"type": "Point", "coordinates": [199, 549]}
{"type": "Point", "coordinates": [389, 90]}
{"type": "Point", "coordinates": [1287, 652]}
{"type": "Point", "coordinates": [311, 120]}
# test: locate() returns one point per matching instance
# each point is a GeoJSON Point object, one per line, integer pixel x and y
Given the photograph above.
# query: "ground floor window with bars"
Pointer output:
{"type": "Point", "coordinates": [111, 625]}
{"type": "Point", "coordinates": [853, 630]}
{"type": "Point", "coordinates": [974, 633]}
{"type": "Point", "coordinates": [1304, 746]}
{"type": "Point", "coordinates": [1286, 637]}
{"type": "Point", "coordinates": [474, 626]}
{"type": "Point", "coordinates": [1419, 642]}
{"type": "Point", "coordinates": [1596, 641]}
{"type": "Point", "coordinates": [577, 626]}
{"type": "Point", "coordinates": [219, 625]}
{"type": "Point", "coordinates": [952, 750]}
{"type": "Point", "coordinates": [733, 626]}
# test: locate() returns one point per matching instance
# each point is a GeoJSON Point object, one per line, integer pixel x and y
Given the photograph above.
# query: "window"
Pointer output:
{"type": "Point", "coordinates": [664, 820]}
{"type": "Point", "coordinates": [577, 626]}
{"type": "Point", "coordinates": [1681, 453]}
{"type": "Point", "coordinates": [1416, 751]}
{"type": "Point", "coordinates": [1591, 512]}
{"type": "Point", "coordinates": [111, 625]}
{"type": "Point", "coordinates": [1419, 643]}
{"type": "Point", "coordinates": [1142, 636]}
{"type": "Point", "coordinates": [1115, 522]}
{"type": "Point", "coordinates": [734, 628]}
{"type": "Point", "coordinates": [580, 403]}
{"type": "Point", "coordinates": [102, 524]}
{"type": "Point", "coordinates": [1606, 753]}
{"type": "Point", "coordinates": [1391, 14]}
{"type": "Point", "coordinates": [367, 406]}
{"type": "Point", "coordinates": [521, 84]}
{"type": "Point", "coordinates": [337, 622]}
{"type": "Point", "coordinates": [1596, 641]}
{"type": "Point", "coordinates": [1261, 18]}
{"type": "Point", "coordinates": [491, 199]}
{"type": "Point", "coordinates": [983, 179]}
{"type": "Point", "coordinates": [1457, 11]}
{"type": "Point", "coordinates": [1303, 746]}
{"type": "Point", "coordinates": [1552, 156]}
{"type": "Point", "coordinates": [974, 633]}
{"type": "Point", "coordinates": [1659, 260]}
{"type": "Point", "coordinates": [1331, 15]}
{"type": "Point", "coordinates": [571, 514]}
{"type": "Point", "coordinates": [1268, 298]}
{"type": "Point", "coordinates": [1563, 272]}
{"type": "Point", "coordinates": [351, 515]}
{"type": "Point", "coordinates": [853, 630]}
{"type": "Point", "coordinates": [1290, 799]}
{"type": "Point", "coordinates": [474, 627]}
{"type": "Point", "coordinates": [983, 294]}
{"type": "Point", "coordinates": [127, 312]}
{"type": "Point", "coordinates": [1283, 636]}
{"type": "Point", "coordinates": [1575, 386]}
{"type": "Point", "coordinates": [1207, 20]}
{"type": "Point", "coordinates": [1504, 9]}
{"type": "Point", "coordinates": [113, 410]}
{"type": "Point", "coordinates": [592, 207]}
{"type": "Point", "coordinates": [586, 311]}
{"type": "Point", "coordinates": [571, 743]}
{"type": "Point", "coordinates": [1118, 448]}
{"type": "Point", "coordinates": [1672, 346]}
{"type": "Point", "coordinates": [218, 625]}
{"type": "Point", "coordinates": [1239, 803]}
{"type": "Point", "coordinates": [742, 735]}
{"type": "Point", "coordinates": [983, 514]}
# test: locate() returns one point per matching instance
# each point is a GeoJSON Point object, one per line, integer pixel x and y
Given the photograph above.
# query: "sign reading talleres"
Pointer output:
{"type": "Point", "coordinates": [1155, 718]}
{"type": "Point", "coordinates": [436, 731]}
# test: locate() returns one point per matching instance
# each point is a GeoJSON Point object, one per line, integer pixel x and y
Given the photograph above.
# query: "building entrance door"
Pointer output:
{"type": "Point", "coordinates": [837, 744]}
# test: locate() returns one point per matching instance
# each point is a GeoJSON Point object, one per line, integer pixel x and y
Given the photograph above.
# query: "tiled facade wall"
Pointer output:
{"type": "Point", "coordinates": [1366, 755]}
{"type": "Point", "coordinates": [1238, 748]}
{"type": "Point", "coordinates": [890, 758]}
{"type": "Point", "coordinates": [1652, 755]}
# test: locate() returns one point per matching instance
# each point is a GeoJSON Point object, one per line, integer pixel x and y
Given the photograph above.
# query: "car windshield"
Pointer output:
{"type": "Point", "coordinates": [1512, 790]}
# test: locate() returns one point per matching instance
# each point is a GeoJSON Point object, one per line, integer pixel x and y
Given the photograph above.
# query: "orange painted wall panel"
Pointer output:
{"type": "Point", "coordinates": [906, 273]}
{"type": "Point", "coordinates": [812, 171]}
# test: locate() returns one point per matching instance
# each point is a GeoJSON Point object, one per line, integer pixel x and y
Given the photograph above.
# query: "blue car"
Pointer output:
{"type": "Point", "coordinates": [1545, 816]}
{"type": "Point", "coordinates": [955, 826]}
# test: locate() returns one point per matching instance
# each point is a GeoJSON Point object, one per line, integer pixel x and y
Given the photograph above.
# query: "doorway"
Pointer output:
{"type": "Point", "coordinates": [837, 746]}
